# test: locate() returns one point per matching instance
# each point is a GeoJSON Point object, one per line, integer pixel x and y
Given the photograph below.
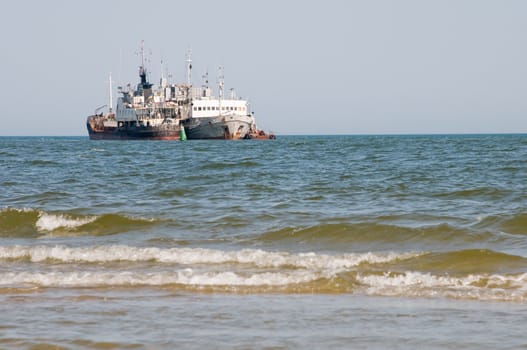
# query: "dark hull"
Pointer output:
{"type": "Point", "coordinates": [139, 133]}
{"type": "Point", "coordinates": [259, 135]}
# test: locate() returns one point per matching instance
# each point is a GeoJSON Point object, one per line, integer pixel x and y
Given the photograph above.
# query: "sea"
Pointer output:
{"type": "Point", "coordinates": [304, 242]}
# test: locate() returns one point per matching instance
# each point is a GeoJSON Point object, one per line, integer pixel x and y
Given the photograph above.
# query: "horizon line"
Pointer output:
{"type": "Point", "coordinates": [337, 134]}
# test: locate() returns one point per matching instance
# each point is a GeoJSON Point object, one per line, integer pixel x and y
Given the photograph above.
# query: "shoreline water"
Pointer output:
{"type": "Point", "coordinates": [164, 319]}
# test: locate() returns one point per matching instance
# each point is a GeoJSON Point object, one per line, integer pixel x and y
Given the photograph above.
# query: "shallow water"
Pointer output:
{"type": "Point", "coordinates": [324, 241]}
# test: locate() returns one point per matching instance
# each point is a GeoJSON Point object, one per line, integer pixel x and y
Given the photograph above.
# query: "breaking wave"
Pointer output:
{"type": "Point", "coordinates": [197, 256]}
{"type": "Point", "coordinates": [50, 222]}
{"type": "Point", "coordinates": [497, 287]}
{"type": "Point", "coordinates": [179, 277]}
{"type": "Point", "coordinates": [416, 274]}
{"type": "Point", "coordinates": [27, 223]}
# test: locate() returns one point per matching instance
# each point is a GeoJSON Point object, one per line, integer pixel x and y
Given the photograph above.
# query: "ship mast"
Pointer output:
{"type": "Point", "coordinates": [206, 79]}
{"type": "Point", "coordinates": [110, 93]}
{"type": "Point", "coordinates": [142, 69]}
{"type": "Point", "coordinates": [144, 87]}
{"type": "Point", "coordinates": [189, 66]}
{"type": "Point", "coordinates": [220, 86]}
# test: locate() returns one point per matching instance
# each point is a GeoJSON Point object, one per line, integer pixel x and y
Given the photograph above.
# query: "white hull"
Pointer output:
{"type": "Point", "coordinates": [228, 127]}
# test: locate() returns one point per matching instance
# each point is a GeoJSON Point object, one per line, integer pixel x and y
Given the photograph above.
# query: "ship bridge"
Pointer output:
{"type": "Point", "coordinates": [202, 108]}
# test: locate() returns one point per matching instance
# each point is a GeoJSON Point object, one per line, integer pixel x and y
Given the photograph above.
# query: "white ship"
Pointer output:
{"type": "Point", "coordinates": [216, 117]}
{"type": "Point", "coordinates": [213, 117]}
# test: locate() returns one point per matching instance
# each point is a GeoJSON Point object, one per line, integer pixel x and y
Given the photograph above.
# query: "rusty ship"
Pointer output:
{"type": "Point", "coordinates": [174, 111]}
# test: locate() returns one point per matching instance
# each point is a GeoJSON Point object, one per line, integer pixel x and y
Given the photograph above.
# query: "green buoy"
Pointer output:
{"type": "Point", "coordinates": [182, 135]}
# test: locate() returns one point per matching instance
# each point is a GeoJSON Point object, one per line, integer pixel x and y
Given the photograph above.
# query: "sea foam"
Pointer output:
{"type": "Point", "coordinates": [50, 222]}
{"type": "Point", "coordinates": [192, 256]}
{"type": "Point", "coordinates": [179, 277]}
{"type": "Point", "coordinates": [473, 286]}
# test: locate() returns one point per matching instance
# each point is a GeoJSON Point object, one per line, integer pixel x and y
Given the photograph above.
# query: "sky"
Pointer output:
{"type": "Point", "coordinates": [307, 67]}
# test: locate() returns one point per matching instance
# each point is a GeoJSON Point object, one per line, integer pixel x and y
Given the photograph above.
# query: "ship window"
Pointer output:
{"type": "Point", "coordinates": [199, 108]}
{"type": "Point", "coordinates": [195, 108]}
{"type": "Point", "coordinates": [208, 108]}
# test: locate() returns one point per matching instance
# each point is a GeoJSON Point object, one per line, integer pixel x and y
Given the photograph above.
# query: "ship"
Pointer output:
{"type": "Point", "coordinates": [174, 112]}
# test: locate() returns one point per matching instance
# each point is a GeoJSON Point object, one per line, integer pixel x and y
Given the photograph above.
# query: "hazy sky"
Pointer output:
{"type": "Point", "coordinates": [308, 67]}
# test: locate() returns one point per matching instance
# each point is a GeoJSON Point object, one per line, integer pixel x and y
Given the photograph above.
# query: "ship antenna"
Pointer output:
{"type": "Point", "coordinates": [162, 75]}
{"type": "Point", "coordinates": [110, 93]}
{"type": "Point", "coordinates": [189, 66]}
{"type": "Point", "coordinates": [142, 54]}
{"type": "Point", "coordinates": [206, 79]}
{"type": "Point", "coordinates": [220, 85]}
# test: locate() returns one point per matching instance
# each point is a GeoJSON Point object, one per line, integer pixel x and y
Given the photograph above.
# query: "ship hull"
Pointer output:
{"type": "Point", "coordinates": [230, 127]}
{"type": "Point", "coordinates": [130, 135]}
{"type": "Point", "coordinates": [163, 132]}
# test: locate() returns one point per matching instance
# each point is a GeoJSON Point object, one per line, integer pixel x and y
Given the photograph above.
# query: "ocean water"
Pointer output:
{"type": "Point", "coordinates": [303, 242]}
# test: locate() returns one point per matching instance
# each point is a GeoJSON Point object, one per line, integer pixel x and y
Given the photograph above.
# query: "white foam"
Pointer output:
{"type": "Point", "coordinates": [193, 256]}
{"type": "Point", "coordinates": [183, 277]}
{"type": "Point", "coordinates": [481, 287]}
{"type": "Point", "coordinates": [18, 210]}
{"type": "Point", "coordinates": [50, 222]}
{"type": "Point", "coordinates": [247, 267]}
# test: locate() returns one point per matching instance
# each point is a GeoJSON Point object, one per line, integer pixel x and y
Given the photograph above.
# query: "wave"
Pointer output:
{"type": "Point", "coordinates": [412, 274]}
{"type": "Point", "coordinates": [370, 232]}
{"type": "Point", "coordinates": [417, 284]}
{"type": "Point", "coordinates": [513, 224]}
{"type": "Point", "coordinates": [184, 277]}
{"type": "Point", "coordinates": [192, 256]}
{"type": "Point", "coordinates": [516, 224]}
{"type": "Point", "coordinates": [496, 287]}
{"type": "Point", "coordinates": [43, 162]}
{"type": "Point", "coordinates": [173, 193]}
{"type": "Point", "coordinates": [28, 223]}
{"type": "Point", "coordinates": [50, 222]}
{"type": "Point", "coordinates": [483, 192]}
{"type": "Point", "coordinates": [468, 261]}
{"type": "Point", "coordinates": [403, 228]}
{"type": "Point", "coordinates": [18, 222]}
{"type": "Point", "coordinates": [229, 165]}
{"type": "Point", "coordinates": [31, 223]}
